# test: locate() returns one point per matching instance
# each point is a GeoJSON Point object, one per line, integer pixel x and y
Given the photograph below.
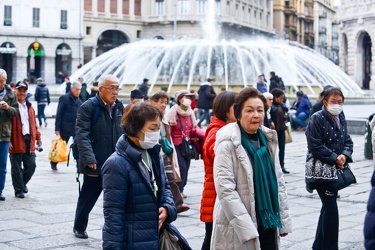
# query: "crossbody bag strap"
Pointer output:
{"type": "Point", "coordinates": [182, 131]}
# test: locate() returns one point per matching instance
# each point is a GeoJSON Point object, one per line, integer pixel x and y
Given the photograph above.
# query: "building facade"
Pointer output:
{"type": "Point", "coordinates": [110, 23]}
{"type": "Point", "coordinates": [294, 20]}
{"type": "Point", "coordinates": [357, 31]}
{"type": "Point", "coordinates": [40, 38]}
{"type": "Point", "coordinates": [326, 29]}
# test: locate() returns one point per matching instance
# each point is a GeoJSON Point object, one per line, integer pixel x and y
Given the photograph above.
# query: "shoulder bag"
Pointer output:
{"type": "Point", "coordinates": [345, 178]}
{"type": "Point", "coordinates": [188, 149]}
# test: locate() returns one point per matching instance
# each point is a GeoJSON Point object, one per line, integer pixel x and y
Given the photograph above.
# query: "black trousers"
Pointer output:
{"type": "Point", "coordinates": [184, 164]}
{"type": "Point", "coordinates": [90, 192]}
{"type": "Point", "coordinates": [327, 232]}
{"type": "Point", "coordinates": [21, 175]}
{"type": "Point", "coordinates": [281, 138]}
{"type": "Point", "coordinates": [267, 239]}
{"type": "Point", "coordinates": [207, 237]}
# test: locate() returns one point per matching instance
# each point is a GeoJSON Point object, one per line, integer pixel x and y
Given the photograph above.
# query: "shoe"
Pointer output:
{"type": "Point", "coordinates": [20, 195]}
{"type": "Point", "coordinates": [183, 208]}
{"type": "Point", "coordinates": [45, 124]}
{"type": "Point", "coordinates": [54, 166]}
{"type": "Point", "coordinates": [25, 190]}
{"type": "Point", "coordinates": [183, 195]}
{"type": "Point", "coordinates": [80, 234]}
{"type": "Point", "coordinates": [2, 198]}
{"type": "Point", "coordinates": [309, 190]}
{"type": "Point", "coordinates": [285, 171]}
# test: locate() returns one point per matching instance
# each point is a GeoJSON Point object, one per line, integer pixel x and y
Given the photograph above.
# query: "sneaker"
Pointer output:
{"type": "Point", "coordinates": [45, 124]}
{"type": "Point", "coordinates": [2, 198]}
{"type": "Point", "coordinates": [183, 195]}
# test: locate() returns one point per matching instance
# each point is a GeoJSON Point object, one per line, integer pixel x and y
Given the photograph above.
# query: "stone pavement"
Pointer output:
{"type": "Point", "coordinates": [44, 219]}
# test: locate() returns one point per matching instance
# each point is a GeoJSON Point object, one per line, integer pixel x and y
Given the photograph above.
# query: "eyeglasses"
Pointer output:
{"type": "Point", "coordinates": [113, 89]}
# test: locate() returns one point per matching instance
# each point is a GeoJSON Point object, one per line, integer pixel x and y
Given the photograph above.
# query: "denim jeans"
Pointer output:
{"type": "Point", "coordinates": [4, 148]}
{"type": "Point", "coordinates": [205, 115]}
{"type": "Point", "coordinates": [41, 114]}
{"type": "Point", "coordinates": [299, 120]}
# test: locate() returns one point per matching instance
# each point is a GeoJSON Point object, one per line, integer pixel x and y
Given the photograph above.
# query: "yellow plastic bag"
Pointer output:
{"type": "Point", "coordinates": [59, 151]}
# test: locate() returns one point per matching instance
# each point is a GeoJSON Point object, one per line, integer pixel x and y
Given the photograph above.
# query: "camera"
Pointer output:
{"type": "Point", "coordinates": [39, 148]}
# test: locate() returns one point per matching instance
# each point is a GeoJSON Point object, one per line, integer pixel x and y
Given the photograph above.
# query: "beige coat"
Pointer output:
{"type": "Point", "coordinates": [235, 223]}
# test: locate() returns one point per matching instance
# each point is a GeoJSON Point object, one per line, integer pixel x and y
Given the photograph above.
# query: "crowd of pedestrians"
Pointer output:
{"type": "Point", "coordinates": [137, 155]}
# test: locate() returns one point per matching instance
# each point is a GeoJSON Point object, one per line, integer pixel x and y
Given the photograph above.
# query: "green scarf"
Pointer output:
{"type": "Point", "coordinates": [265, 182]}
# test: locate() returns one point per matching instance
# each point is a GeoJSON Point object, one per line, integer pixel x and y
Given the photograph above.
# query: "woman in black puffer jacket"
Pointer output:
{"type": "Point", "coordinates": [329, 142]}
{"type": "Point", "coordinates": [137, 197]}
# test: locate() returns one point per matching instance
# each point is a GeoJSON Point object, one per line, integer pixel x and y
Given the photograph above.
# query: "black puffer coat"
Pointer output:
{"type": "Point", "coordinates": [42, 94]}
{"type": "Point", "coordinates": [66, 114]}
{"type": "Point", "coordinates": [96, 142]}
{"type": "Point", "coordinates": [325, 141]}
{"type": "Point", "coordinates": [131, 210]}
{"type": "Point", "coordinates": [206, 96]}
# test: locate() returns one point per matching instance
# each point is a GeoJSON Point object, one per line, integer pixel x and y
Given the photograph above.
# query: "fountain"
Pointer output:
{"type": "Point", "coordinates": [232, 64]}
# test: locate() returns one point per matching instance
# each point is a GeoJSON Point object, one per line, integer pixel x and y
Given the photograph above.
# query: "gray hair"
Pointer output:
{"type": "Point", "coordinates": [105, 78]}
{"type": "Point", "coordinates": [76, 84]}
{"type": "Point", "coordinates": [4, 73]}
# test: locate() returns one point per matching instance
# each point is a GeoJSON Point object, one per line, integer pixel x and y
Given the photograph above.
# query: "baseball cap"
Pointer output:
{"type": "Point", "coordinates": [137, 94]}
{"type": "Point", "coordinates": [21, 84]}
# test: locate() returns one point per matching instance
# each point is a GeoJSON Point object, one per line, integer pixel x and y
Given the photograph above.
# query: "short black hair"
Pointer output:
{"type": "Point", "coordinates": [243, 96]}
{"type": "Point", "coordinates": [272, 73]}
{"type": "Point", "coordinates": [222, 104]}
{"type": "Point", "coordinates": [277, 93]}
{"type": "Point", "coordinates": [145, 80]}
{"type": "Point", "coordinates": [332, 91]}
{"type": "Point", "coordinates": [136, 115]}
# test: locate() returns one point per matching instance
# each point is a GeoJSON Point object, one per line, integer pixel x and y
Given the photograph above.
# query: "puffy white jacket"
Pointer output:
{"type": "Point", "coordinates": [235, 223]}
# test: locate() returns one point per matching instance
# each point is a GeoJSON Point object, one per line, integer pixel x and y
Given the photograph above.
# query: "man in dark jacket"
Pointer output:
{"type": "Point", "coordinates": [25, 135]}
{"type": "Point", "coordinates": [144, 88]}
{"type": "Point", "coordinates": [66, 115]}
{"type": "Point", "coordinates": [274, 81]}
{"type": "Point", "coordinates": [42, 98]}
{"type": "Point", "coordinates": [206, 96]}
{"type": "Point", "coordinates": [96, 142]}
{"type": "Point", "coordinates": [8, 109]}
{"type": "Point", "coordinates": [84, 94]}
{"type": "Point", "coordinates": [303, 111]}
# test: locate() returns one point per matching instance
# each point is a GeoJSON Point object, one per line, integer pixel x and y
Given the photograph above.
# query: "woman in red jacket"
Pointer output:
{"type": "Point", "coordinates": [222, 110]}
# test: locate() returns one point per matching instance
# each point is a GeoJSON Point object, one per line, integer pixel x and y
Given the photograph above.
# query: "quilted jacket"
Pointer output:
{"type": "Point", "coordinates": [209, 193]}
{"type": "Point", "coordinates": [131, 210]}
{"type": "Point", "coordinates": [235, 223]}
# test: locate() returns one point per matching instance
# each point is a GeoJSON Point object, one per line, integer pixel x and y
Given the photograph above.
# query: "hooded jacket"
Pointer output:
{"type": "Point", "coordinates": [42, 94]}
{"type": "Point", "coordinates": [206, 96]}
{"type": "Point", "coordinates": [304, 106]}
{"type": "Point", "coordinates": [6, 115]}
{"type": "Point", "coordinates": [235, 223]}
{"type": "Point", "coordinates": [131, 210]}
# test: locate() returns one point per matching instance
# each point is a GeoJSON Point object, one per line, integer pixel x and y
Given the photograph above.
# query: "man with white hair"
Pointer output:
{"type": "Point", "coordinates": [8, 109]}
{"type": "Point", "coordinates": [66, 115]}
{"type": "Point", "coordinates": [96, 141]}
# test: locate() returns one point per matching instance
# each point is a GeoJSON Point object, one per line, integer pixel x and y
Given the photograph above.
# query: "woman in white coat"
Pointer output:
{"type": "Point", "coordinates": [251, 209]}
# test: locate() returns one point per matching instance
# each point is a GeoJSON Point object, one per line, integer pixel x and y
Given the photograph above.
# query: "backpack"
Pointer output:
{"type": "Point", "coordinates": [94, 118]}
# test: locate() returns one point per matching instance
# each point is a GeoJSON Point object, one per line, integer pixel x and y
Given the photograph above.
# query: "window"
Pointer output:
{"type": "Point", "coordinates": [228, 8]}
{"type": "Point", "coordinates": [306, 11]}
{"type": "Point", "coordinates": [201, 6]}
{"type": "Point", "coordinates": [64, 19]}
{"type": "Point", "coordinates": [36, 17]}
{"type": "Point", "coordinates": [137, 7]}
{"type": "Point", "coordinates": [237, 14]}
{"type": "Point", "coordinates": [113, 6]}
{"type": "Point", "coordinates": [101, 4]}
{"type": "Point", "coordinates": [159, 10]}
{"type": "Point", "coordinates": [138, 34]}
{"type": "Point", "coordinates": [7, 15]}
{"type": "Point", "coordinates": [88, 5]}
{"type": "Point", "coordinates": [183, 7]}
{"type": "Point", "coordinates": [125, 7]}
{"type": "Point", "coordinates": [88, 30]}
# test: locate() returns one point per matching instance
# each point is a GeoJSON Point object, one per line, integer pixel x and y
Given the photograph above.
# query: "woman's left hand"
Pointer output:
{"type": "Point", "coordinates": [163, 214]}
{"type": "Point", "coordinates": [340, 161]}
{"type": "Point", "coordinates": [283, 235]}
{"type": "Point", "coordinates": [194, 139]}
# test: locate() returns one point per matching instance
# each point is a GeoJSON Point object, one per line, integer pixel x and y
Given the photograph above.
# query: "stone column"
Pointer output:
{"type": "Point", "coordinates": [119, 8]}
{"type": "Point", "coordinates": [107, 8]}
{"type": "Point", "coordinates": [131, 9]}
{"type": "Point", "coordinates": [95, 7]}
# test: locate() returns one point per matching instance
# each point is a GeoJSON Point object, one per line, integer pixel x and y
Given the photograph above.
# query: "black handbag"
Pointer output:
{"type": "Point", "coordinates": [187, 149]}
{"type": "Point", "coordinates": [345, 178]}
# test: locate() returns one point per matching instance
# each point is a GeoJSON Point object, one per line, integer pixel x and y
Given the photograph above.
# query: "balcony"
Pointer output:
{"type": "Point", "coordinates": [290, 10]}
{"type": "Point", "coordinates": [322, 30]}
{"type": "Point", "coordinates": [322, 44]}
{"type": "Point", "coordinates": [292, 26]}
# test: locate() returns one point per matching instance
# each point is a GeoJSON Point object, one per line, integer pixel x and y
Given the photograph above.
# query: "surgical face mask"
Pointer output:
{"type": "Point", "coordinates": [151, 139]}
{"type": "Point", "coordinates": [186, 102]}
{"type": "Point", "coordinates": [334, 109]}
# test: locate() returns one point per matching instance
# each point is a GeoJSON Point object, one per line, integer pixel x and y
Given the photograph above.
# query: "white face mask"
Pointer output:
{"type": "Point", "coordinates": [151, 139]}
{"type": "Point", "coordinates": [334, 109]}
{"type": "Point", "coordinates": [186, 102]}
